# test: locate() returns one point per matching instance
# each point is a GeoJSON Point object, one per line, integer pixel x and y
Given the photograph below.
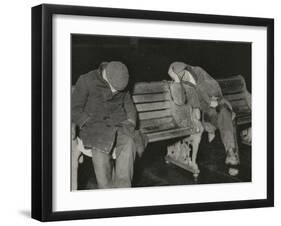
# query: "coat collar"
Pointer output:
{"type": "Point", "coordinates": [192, 72]}
{"type": "Point", "coordinates": [189, 68]}
{"type": "Point", "coordinates": [108, 94]}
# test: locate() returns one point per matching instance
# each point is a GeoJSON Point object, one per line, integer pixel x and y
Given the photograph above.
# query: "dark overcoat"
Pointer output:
{"type": "Point", "coordinates": [98, 112]}
{"type": "Point", "coordinates": [206, 86]}
{"type": "Point", "coordinates": [220, 117]}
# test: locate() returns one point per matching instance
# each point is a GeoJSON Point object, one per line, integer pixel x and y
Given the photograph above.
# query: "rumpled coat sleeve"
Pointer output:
{"type": "Point", "coordinates": [130, 108]}
{"type": "Point", "coordinates": [207, 86]}
{"type": "Point", "coordinates": [79, 99]}
{"type": "Point", "coordinates": [192, 96]}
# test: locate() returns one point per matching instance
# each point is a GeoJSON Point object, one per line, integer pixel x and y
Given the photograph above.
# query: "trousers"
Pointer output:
{"type": "Point", "coordinates": [221, 120]}
{"type": "Point", "coordinates": [115, 173]}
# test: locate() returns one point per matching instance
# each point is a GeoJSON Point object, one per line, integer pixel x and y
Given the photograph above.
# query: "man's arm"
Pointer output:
{"type": "Point", "coordinates": [209, 89]}
{"type": "Point", "coordinates": [79, 99]}
{"type": "Point", "coordinates": [192, 96]}
{"type": "Point", "coordinates": [130, 109]}
{"type": "Point", "coordinates": [209, 79]}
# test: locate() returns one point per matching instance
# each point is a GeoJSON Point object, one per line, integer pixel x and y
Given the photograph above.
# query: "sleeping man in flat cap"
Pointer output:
{"type": "Point", "coordinates": [106, 118]}
{"type": "Point", "coordinates": [216, 111]}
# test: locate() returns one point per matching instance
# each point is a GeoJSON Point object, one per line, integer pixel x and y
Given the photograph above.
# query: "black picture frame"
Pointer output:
{"type": "Point", "coordinates": [42, 107]}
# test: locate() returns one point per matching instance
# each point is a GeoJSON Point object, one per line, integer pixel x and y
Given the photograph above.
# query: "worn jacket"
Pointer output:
{"type": "Point", "coordinates": [206, 86]}
{"type": "Point", "coordinates": [98, 112]}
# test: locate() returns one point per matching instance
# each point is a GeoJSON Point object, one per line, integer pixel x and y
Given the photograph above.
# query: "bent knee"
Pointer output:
{"type": "Point", "coordinates": [126, 140]}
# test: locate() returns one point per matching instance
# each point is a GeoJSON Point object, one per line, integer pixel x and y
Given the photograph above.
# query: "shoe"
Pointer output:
{"type": "Point", "coordinates": [231, 158]}
{"type": "Point", "coordinates": [233, 172]}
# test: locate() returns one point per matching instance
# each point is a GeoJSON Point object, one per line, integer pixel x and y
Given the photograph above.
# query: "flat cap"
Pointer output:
{"type": "Point", "coordinates": [117, 75]}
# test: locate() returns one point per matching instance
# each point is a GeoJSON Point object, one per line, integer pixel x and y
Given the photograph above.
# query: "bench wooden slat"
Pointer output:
{"type": "Point", "coordinates": [154, 114]}
{"type": "Point", "coordinates": [243, 119]}
{"type": "Point", "coordinates": [149, 87]}
{"type": "Point", "coordinates": [232, 97]}
{"type": "Point", "coordinates": [158, 128]}
{"type": "Point", "coordinates": [239, 103]}
{"type": "Point", "coordinates": [234, 84]}
{"type": "Point", "coordinates": [241, 109]}
{"type": "Point", "coordinates": [231, 90]}
{"type": "Point", "coordinates": [155, 121]}
{"type": "Point", "coordinates": [169, 134]}
{"type": "Point", "coordinates": [153, 106]}
{"type": "Point", "coordinates": [150, 98]}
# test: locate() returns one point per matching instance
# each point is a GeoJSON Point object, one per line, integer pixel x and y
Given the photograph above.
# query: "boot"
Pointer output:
{"type": "Point", "coordinates": [231, 158]}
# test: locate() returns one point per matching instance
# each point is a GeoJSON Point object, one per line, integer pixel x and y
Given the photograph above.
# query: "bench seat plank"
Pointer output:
{"type": "Point", "coordinates": [158, 128]}
{"type": "Point", "coordinates": [169, 134]}
{"type": "Point", "coordinates": [154, 114]}
{"type": "Point", "coordinates": [155, 122]}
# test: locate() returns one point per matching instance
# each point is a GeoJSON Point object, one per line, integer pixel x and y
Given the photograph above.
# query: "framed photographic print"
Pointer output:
{"type": "Point", "coordinates": [147, 112]}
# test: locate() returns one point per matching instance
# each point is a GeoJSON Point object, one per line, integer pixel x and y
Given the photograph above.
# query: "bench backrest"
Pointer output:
{"type": "Point", "coordinates": [235, 91]}
{"type": "Point", "coordinates": [152, 101]}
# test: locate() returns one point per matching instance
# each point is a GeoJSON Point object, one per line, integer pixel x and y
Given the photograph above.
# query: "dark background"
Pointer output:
{"type": "Point", "coordinates": [148, 59]}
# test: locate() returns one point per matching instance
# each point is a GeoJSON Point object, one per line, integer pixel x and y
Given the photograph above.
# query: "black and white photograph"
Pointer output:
{"type": "Point", "coordinates": [139, 112]}
{"type": "Point", "coordinates": [159, 112]}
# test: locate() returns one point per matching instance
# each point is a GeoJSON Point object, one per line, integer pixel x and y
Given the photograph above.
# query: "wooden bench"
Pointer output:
{"type": "Point", "coordinates": [152, 101]}
{"type": "Point", "coordinates": [155, 120]}
{"type": "Point", "coordinates": [235, 91]}
{"type": "Point", "coordinates": [153, 104]}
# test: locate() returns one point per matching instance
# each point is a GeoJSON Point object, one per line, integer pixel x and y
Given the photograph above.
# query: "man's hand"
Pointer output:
{"type": "Point", "coordinates": [214, 102]}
